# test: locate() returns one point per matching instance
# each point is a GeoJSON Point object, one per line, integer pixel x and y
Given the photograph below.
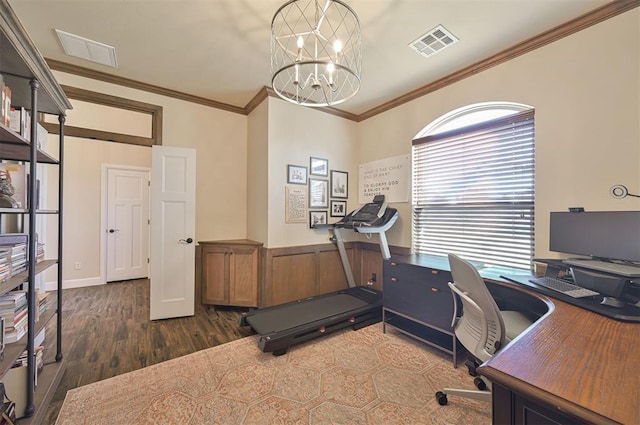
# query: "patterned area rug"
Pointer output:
{"type": "Point", "coordinates": [349, 377]}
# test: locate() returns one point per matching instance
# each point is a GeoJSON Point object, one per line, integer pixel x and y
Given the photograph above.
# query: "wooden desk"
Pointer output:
{"type": "Point", "coordinates": [572, 361]}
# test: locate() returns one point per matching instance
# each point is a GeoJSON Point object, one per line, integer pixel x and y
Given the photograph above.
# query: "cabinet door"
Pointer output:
{"type": "Point", "coordinates": [243, 280]}
{"type": "Point", "coordinates": [215, 275]}
{"type": "Point", "coordinates": [528, 412]}
{"type": "Point", "coordinates": [420, 293]}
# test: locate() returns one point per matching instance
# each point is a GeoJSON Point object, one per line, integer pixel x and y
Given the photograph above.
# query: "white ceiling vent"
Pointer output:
{"type": "Point", "coordinates": [90, 50]}
{"type": "Point", "coordinates": [434, 41]}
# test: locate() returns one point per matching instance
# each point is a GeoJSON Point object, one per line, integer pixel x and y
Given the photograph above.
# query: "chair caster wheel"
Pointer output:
{"type": "Point", "coordinates": [442, 398]}
{"type": "Point", "coordinates": [480, 384]}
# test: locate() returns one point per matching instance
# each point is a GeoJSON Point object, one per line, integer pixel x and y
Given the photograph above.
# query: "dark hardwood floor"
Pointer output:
{"type": "Point", "coordinates": [107, 332]}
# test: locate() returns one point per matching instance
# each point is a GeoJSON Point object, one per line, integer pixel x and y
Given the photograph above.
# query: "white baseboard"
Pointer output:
{"type": "Point", "coordinates": [76, 283]}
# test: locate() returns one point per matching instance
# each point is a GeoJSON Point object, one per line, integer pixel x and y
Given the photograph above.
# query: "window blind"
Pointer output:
{"type": "Point", "coordinates": [473, 192]}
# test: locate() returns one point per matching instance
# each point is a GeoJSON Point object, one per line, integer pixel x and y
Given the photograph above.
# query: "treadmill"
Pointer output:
{"type": "Point", "coordinates": [284, 325]}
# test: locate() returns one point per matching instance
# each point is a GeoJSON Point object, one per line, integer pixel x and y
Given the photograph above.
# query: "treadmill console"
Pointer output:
{"type": "Point", "coordinates": [370, 214]}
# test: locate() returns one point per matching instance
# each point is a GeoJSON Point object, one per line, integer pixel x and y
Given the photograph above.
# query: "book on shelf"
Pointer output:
{"type": "Point", "coordinates": [20, 121]}
{"type": "Point", "coordinates": [37, 354]}
{"type": "Point", "coordinates": [6, 104]}
{"type": "Point", "coordinates": [13, 309]}
{"type": "Point", "coordinates": [13, 259]}
{"type": "Point", "coordinates": [43, 304]}
{"type": "Point", "coordinates": [39, 252]}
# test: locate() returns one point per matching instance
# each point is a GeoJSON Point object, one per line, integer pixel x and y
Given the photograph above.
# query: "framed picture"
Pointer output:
{"type": "Point", "coordinates": [317, 217]}
{"type": "Point", "coordinates": [339, 184]}
{"type": "Point", "coordinates": [318, 193]}
{"type": "Point", "coordinates": [296, 174]}
{"type": "Point", "coordinates": [338, 208]}
{"type": "Point", "coordinates": [295, 204]}
{"type": "Point", "coordinates": [319, 167]}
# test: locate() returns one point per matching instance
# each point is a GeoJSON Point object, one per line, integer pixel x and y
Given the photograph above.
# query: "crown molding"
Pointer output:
{"type": "Point", "coordinates": [126, 82]}
{"type": "Point", "coordinates": [584, 21]}
{"type": "Point", "coordinates": [594, 17]}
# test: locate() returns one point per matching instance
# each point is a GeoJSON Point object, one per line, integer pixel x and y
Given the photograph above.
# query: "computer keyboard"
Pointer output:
{"type": "Point", "coordinates": [564, 287]}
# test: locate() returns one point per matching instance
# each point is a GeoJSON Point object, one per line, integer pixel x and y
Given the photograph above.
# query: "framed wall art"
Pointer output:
{"type": "Point", "coordinates": [318, 193]}
{"type": "Point", "coordinates": [319, 167]}
{"type": "Point", "coordinates": [338, 208]}
{"type": "Point", "coordinates": [295, 204]}
{"type": "Point", "coordinates": [317, 217]}
{"type": "Point", "coordinates": [339, 184]}
{"type": "Point", "coordinates": [296, 174]}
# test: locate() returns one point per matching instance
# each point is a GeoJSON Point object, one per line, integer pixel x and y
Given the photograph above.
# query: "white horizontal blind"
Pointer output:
{"type": "Point", "coordinates": [473, 192]}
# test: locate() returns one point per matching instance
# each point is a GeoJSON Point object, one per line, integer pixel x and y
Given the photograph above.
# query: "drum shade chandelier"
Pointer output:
{"type": "Point", "coordinates": [316, 56]}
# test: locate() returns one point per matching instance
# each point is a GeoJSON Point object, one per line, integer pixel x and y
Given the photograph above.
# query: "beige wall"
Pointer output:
{"type": "Point", "coordinates": [296, 134]}
{"type": "Point", "coordinates": [220, 139]}
{"type": "Point", "coordinates": [257, 173]}
{"type": "Point", "coordinates": [585, 92]}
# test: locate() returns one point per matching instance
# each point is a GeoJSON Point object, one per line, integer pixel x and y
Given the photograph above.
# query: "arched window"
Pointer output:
{"type": "Point", "coordinates": [473, 185]}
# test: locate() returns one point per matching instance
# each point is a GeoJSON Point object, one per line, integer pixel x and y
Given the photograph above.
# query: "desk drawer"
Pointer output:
{"type": "Point", "coordinates": [419, 292]}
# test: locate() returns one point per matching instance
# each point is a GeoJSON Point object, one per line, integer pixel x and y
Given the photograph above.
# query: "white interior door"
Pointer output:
{"type": "Point", "coordinates": [127, 224]}
{"type": "Point", "coordinates": [173, 185]}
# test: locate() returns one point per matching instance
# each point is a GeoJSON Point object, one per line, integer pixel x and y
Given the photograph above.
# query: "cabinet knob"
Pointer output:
{"type": "Point", "coordinates": [435, 290]}
{"type": "Point", "coordinates": [394, 279]}
{"type": "Point", "coordinates": [393, 264]}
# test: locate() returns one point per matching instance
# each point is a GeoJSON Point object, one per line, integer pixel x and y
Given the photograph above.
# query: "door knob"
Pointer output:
{"type": "Point", "coordinates": [188, 240]}
{"type": "Point", "coordinates": [113, 230]}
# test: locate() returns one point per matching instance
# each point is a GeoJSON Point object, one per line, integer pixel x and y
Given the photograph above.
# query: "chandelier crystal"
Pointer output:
{"type": "Point", "coordinates": [316, 56]}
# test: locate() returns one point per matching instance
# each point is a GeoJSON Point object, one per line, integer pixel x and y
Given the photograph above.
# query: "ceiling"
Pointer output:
{"type": "Point", "coordinates": [219, 49]}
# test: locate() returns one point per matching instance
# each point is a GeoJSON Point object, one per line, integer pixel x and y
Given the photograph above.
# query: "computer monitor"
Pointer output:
{"type": "Point", "coordinates": [608, 235]}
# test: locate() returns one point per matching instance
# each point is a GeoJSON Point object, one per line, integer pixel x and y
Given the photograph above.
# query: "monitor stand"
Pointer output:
{"type": "Point", "coordinates": [613, 302]}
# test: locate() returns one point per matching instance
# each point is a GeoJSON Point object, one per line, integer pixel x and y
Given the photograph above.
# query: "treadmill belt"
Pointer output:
{"type": "Point", "coordinates": [296, 314]}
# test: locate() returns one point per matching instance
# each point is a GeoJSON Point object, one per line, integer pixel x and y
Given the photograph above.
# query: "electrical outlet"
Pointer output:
{"type": "Point", "coordinates": [78, 265]}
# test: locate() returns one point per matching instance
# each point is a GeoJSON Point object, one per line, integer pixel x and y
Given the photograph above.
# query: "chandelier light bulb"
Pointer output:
{"type": "Point", "coordinates": [330, 69]}
{"type": "Point", "coordinates": [300, 43]}
{"type": "Point", "coordinates": [337, 46]}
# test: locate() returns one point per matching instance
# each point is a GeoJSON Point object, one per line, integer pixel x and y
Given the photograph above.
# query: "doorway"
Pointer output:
{"type": "Point", "coordinates": [126, 222]}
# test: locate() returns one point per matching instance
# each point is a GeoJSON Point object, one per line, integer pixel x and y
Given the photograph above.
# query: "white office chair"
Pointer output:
{"type": "Point", "coordinates": [482, 329]}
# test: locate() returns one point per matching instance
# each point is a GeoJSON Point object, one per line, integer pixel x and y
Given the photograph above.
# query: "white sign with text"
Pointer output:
{"type": "Point", "coordinates": [389, 177]}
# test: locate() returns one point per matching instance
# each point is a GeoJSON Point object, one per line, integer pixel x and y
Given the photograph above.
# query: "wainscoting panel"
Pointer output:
{"type": "Point", "coordinates": [331, 276]}
{"type": "Point", "coordinates": [293, 277]}
{"type": "Point", "coordinates": [371, 264]}
{"type": "Point", "coordinates": [294, 273]}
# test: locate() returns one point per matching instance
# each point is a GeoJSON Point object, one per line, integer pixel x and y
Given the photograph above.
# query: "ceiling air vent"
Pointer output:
{"type": "Point", "coordinates": [90, 50]}
{"type": "Point", "coordinates": [434, 41]}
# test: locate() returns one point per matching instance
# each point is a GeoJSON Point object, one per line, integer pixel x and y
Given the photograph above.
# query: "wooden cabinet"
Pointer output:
{"type": "Point", "coordinates": [34, 88]}
{"type": "Point", "coordinates": [230, 272]}
{"type": "Point", "coordinates": [418, 301]}
{"type": "Point", "coordinates": [511, 407]}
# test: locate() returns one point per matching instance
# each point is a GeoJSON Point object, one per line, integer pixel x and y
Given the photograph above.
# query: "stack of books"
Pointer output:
{"type": "Point", "coordinates": [13, 309]}
{"type": "Point", "coordinates": [15, 256]}
{"type": "Point", "coordinates": [37, 353]}
{"type": "Point", "coordinates": [39, 252]}
{"type": "Point", "coordinates": [43, 304]}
